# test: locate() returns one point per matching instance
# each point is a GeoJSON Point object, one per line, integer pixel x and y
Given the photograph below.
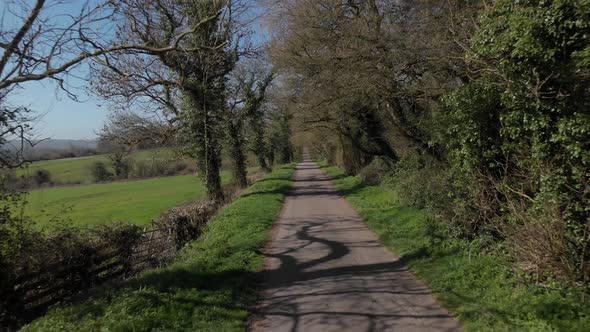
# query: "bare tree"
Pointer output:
{"type": "Point", "coordinates": [46, 40]}
{"type": "Point", "coordinates": [15, 123]}
{"type": "Point", "coordinates": [51, 46]}
{"type": "Point", "coordinates": [185, 89]}
{"type": "Point", "coordinates": [134, 130]}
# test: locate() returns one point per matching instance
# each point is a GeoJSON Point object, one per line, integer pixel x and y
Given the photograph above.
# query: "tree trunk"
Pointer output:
{"type": "Point", "coordinates": [237, 154]}
{"type": "Point", "coordinates": [271, 156]}
{"type": "Point", "coordinates": [262, 162]}
{"type": "Point", "coordinates": [260, 146]}
{"type": "Point", "coordinates": [286, 154]}
{"type": "Point", "coordinates": [351, 156]}
{"type": "Point", "coordinates": [213, 158]}
{"type": "Point", "coordinates": [212, 176]}
{"type": "Point", "coordinates": [200, 131]}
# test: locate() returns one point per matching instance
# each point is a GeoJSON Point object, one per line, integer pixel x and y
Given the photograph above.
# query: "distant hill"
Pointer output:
{"type": "Point", "coordinates": [52, 149]}
{"type": "Point", "coordinates": [58, 144]}
{"type": "Point", "coordinates": [64, 144]}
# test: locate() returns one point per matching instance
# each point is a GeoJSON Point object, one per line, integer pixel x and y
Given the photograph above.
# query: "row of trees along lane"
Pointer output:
{"type": "Point", "coordinates": [479, 109]}
{"type": "Point", "coordinates": [196, 94]}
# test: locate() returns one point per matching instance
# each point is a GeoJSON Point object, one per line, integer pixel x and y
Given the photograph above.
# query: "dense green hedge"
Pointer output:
{"type": "Point", "coordinates": [519, 133]}
{"type": "Point", "coordinates": [478, 285]}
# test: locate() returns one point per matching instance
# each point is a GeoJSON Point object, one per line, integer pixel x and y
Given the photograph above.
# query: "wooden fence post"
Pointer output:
{"type": "Point", "coordinates": [86, 269]}
{"type": "Point", "coordinates": [12, 298]}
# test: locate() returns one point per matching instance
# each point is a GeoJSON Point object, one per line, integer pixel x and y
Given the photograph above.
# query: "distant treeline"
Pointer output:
{"type": "Point", "coordinates": [52, 149]}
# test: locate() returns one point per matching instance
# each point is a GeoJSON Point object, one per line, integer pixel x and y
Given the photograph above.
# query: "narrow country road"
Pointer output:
{"type": "Point", "coordinates": [326, 271]}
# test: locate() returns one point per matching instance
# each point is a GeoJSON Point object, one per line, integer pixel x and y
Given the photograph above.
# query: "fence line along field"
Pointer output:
{"type": "Point", "coordinates": [137, 202]}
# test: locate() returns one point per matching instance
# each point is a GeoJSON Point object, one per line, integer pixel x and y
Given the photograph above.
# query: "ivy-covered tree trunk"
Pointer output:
{"type": "Point", "coordinates": [259, 145]}
{"type": "Point", "coordinates": [351, 156]}
{"type": "Point", "coordinates": [284, 145]}
{"type": "Point", "coordinates": [199, 130]}
{"type": "Point", "coordinates": [287, 154]}
{"type": "Point", "coordinates": [271, 154]}
{"type": "Point", "coordinates": [212, 169]}
{"type": "Point", "coordinates": [255, 94]}
{"type": "Point", "coordinates": [236, 147]}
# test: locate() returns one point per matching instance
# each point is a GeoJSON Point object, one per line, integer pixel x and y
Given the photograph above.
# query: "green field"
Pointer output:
{"type": "Point", "coordinates": [77, 170]}
{"type": "Point", "coordinates": [137, 202]}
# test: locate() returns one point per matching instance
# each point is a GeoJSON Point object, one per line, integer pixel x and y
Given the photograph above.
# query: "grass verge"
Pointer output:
{"type": "Point", "coordinates": [481, 289]}
{"type": "Point", "coordinates": [207, 289]}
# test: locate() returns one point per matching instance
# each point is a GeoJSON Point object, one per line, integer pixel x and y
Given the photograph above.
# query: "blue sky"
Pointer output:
{"type": "Point", "coordinates": [63, 118]}
{"type": "Point", "coordinates": [60, 116]}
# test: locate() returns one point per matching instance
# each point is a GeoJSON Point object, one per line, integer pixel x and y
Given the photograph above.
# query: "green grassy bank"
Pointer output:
{"type": "Point", "coordinates": [481, 289]}
{"type": "Point", "coordinates": [207, 289]}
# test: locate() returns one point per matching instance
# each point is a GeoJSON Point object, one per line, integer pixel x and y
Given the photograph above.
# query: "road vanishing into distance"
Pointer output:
{"type": "Point", "coordinates": [326, 271]}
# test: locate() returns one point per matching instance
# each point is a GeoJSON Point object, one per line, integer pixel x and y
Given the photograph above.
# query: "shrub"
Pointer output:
{"type": "Point", "coordinates": [539, 245]}
{"type": "Point", "coordinates": [423, 183]}
{"type": "Point", "coordinates": [146, 169]}
{"type": "Point", "coordinates": [11, 180]}
{"type": "Point", "coordinates": [41, 177]}
{"type": "Point", "coordinates": [67, 154]}
{"type": "Point", "coordinates": [322, 150]}
{"type": "Point", "coordinates": [172, 169]}
{"type": "Point", "coordinates": [121, 165]}
{"type": "Point", "coordinates": [179, 166]}
{"type": "Point", "coordinates": [18, 241]}
{"type": "Point", "coordinates": [139, 170]}
{"type": "Point", "coordinates": [100, 172]}
{"type": "Point", "coordinates": [156, 167]}
{"type": "Point", "coordinates": [373, 173]}
{"type": "Point", "coordinates": [70, 252]}
{"type": "Point", "coordinates": [187, 220]}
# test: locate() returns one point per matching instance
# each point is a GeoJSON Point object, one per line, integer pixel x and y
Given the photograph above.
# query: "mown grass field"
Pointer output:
{"type": "Point", "coordinates": [481, 289]}
{"type": "Point", "coordinates": [137, 201]}
{"type": "Point", "coordinates": [209, 288]}
{"type": "Point", "coordinates": [77, 170]}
